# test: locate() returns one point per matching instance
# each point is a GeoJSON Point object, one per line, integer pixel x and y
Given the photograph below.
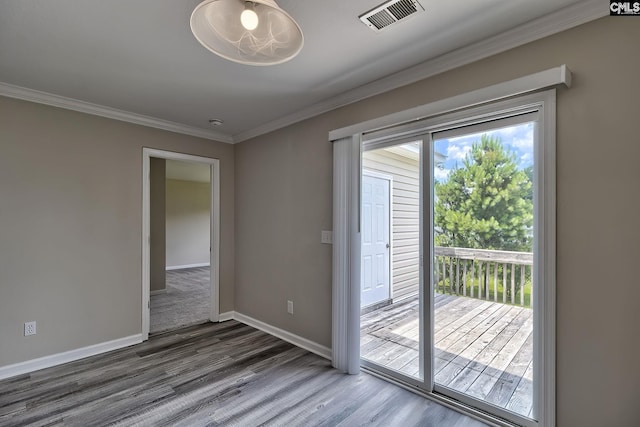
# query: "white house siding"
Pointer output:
{"type": "Point", "coordinates": [404, 169]}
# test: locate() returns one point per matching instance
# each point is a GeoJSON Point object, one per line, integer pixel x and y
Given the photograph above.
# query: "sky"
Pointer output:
{"type": "Point", "coordinates": [518, 139]}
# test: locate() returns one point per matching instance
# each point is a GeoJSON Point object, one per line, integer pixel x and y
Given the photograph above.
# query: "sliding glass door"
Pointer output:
{"type": "Point", "coordinates": [483, 263]}
{"type": "Point", "coordinates": [450, 221]}
{"type": "Point", "coordinates": [391, 305]}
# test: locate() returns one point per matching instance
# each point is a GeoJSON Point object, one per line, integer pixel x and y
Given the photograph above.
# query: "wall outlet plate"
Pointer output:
{"type": "Point", "coordinates": [326, 237]}
{"type": "Point", "coordinates": [29, 328]}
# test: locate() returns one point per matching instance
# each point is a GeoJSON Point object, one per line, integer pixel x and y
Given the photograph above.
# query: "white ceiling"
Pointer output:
{"type": "Point", "coordinates": [140, 56]}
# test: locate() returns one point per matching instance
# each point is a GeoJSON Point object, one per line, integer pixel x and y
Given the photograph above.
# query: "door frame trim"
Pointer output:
{"type": "Point", "coordinates": [214, 230]}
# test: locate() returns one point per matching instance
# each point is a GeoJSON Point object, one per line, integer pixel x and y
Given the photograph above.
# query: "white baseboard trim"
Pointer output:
{"type": "Point", "coordinates": [158, 292]}
{"type": "Point", "coordinates": [67, 356]}
{"type": "Point", "coordinates": [229, 315]}
{"type": "Point", "coordinates": [92, 350]}
{"type": "Point", "coordinates": [297, 340]}
{"type": "Point", "coordinates": [180, 267]}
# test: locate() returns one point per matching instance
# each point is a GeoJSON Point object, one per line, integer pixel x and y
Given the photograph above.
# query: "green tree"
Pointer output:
{"type": "Point", "coordinates": [486, 203]}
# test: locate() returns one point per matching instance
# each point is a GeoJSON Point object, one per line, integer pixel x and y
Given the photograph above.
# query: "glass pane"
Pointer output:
{"type": "Point", "coordinates": [390, 275]}
{"type": "Point", "coordinates": [482, 267]}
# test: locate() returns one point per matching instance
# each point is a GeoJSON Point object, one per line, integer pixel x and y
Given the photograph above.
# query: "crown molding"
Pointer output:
{"type": "Point", "coordinates": [564, 19]}
{"type": "Point", "coordinates": [40, 97]}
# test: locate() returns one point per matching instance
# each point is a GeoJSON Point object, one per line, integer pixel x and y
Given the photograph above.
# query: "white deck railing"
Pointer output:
{"type": "Point", "coordinates": [484, 274]}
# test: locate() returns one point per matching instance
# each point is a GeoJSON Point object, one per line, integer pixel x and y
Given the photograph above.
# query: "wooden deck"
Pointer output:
{"type": "Point", "coordinates": [482, 349]}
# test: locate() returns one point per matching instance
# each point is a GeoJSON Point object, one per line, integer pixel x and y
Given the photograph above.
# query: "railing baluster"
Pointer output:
{"type": "Point", "coordinates": [505, 270]}
{"type": "Point", "coordinates": [487, 274]}
{"type": "Point", "coordinates": [531, 294]}
{"type": "Point", "coordinates": [473, 266]}
{"type": "Point", "coordinates": [480, 281]}
{"type": "Point", "coordinates": [457, 276]}
{"type": "Point", "coordinates": [464, 278]}
{"type": "Point", "coordinates": [444, 275]}
{"type": "Point", "coordinates": [450, 268]}
{"type": "Point", "coordinates": [495, 281]}
{"type": "Point", "coordinates": [436, 278]}
{"type": "Point", "coordinates": [513, 283]}
{"type": "Point", "coordinates": [522, 274]}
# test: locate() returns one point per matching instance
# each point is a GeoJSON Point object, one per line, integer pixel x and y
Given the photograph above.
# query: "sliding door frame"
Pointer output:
{"type": "Point", "coordinates": [498, 100]}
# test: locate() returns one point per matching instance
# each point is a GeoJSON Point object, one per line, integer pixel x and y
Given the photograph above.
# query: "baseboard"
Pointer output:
{"type": "Point", "coordinates": [297, 340]}
{"type": "Point", "coordinates": [92, 350]}
{"type": "Point", "coordinates": [67, 356]}
{"type": "Point", "coordinates": [229, 315]}
{"type": "Point", "coordinates": [158, 291]}
{"type": "Point", "coordinates": [181, 267]}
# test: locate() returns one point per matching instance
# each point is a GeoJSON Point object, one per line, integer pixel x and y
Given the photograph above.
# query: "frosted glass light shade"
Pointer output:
{"type": "Point", "coordinates": [217, 26]}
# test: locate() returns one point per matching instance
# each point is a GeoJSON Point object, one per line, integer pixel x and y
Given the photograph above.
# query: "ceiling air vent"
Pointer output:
{"type": "Point", "coordinates": [390, 12]}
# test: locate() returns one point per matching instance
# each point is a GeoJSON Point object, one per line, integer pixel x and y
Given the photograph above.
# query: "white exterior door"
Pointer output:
{"type": "Point", "coordinates": [375, 277]}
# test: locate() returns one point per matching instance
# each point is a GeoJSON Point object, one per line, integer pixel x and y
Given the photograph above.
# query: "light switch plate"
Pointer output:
{"type": "Point", "coordinates": [326, 237]}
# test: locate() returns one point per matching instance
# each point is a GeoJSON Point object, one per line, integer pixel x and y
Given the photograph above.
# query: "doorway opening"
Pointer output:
{"type": "Point", "coordinates": [180, 244]}
{"type": "Point", "coordinates": [181, 211]}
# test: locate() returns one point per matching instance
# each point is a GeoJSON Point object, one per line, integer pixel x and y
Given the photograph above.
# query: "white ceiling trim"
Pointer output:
{"type": "Point", "coordinates": [564, 19]}
{"type": "Point", "coordinates": [32, 95]}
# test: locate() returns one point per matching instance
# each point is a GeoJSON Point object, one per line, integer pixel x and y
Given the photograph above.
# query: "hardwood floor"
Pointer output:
{"type": "Point", "coordinates": [186, 301]}
{"type": "Point", "coordinates": [483, 349]}
{"type": "Point", "coordinates": [212, 374]}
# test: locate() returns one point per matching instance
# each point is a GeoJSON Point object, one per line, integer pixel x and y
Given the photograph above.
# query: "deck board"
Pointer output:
{"type": "Point", "coordinates": [482, 348]}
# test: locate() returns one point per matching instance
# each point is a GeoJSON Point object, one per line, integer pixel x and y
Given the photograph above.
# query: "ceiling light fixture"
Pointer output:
{"type": "Point", "coordinates": [254, 32]}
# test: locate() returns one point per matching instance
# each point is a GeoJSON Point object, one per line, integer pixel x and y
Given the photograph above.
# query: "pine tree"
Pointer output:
{"type": "Point", "coordinates": [487, 202]}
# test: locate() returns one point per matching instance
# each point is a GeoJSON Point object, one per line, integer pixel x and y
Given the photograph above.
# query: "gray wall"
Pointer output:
{"type": "Point", "coordinates": [187, 223]}
{"type": "Point", "coordinates": [284, 198]}
{"type": "Point", "coordinates": [71, 226]}
{"type": "Point", "coordinates": [157, 247]}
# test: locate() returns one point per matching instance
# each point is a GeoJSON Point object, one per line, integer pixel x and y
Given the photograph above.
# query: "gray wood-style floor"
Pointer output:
{"type": "Point", "coordinates": [212, 374]}
{"type": "Point", "coordinates": [483, 349]}
{"type": "Point", "coordinates": [186, 301]}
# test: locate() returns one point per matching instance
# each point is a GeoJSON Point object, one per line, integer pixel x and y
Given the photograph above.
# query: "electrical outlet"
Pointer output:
{"type": "Point", "coordinates": [29, 328]}
{"type": "Point", "coordinates": [290, 307]}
